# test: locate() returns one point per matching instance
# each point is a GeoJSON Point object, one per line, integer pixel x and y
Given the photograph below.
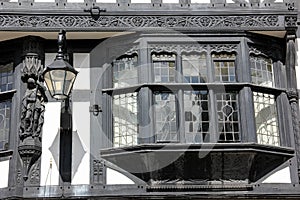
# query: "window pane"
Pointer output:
{"type": "Point", "coordinates": [165, 117]}
{"type": "Point", "coordinates": [6, 79]}
{"type": "Point", "coordinates": [194, 68]}
{"type": "Point", "coordinates": [196, 116]}
{"type": "Point", "coordinates": [266, 119]}
{"type": "Point", "coordinates": [5, 108]}
{"type": "Point", "coordinates": [125, 123]}
{"type": "Point", "coordinates": [224, 65]}
{"type": "Point", "coordinates": [164, 68]}
{"type": "Point", "coordinates": [228, 117]}
{"type": "Point", "coordinates": [261, 71]}
{"type": "Point", "coordinates": [125, 72]}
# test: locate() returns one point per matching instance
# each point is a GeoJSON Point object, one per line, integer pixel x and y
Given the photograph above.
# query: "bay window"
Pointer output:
{"type": "Point", "coordinates": [192, 97]}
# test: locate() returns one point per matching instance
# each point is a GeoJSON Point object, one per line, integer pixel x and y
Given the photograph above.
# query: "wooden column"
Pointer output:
{"type": "Point", "coordinates": [292, 91]}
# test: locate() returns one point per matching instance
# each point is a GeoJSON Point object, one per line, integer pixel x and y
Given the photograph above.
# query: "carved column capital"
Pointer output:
{"type": "Point", "coordinates": [33, 57]}
{"type": "Point", "coordinates": [293, 95]}
{"type": "Point", "coordinates": [32, 67]}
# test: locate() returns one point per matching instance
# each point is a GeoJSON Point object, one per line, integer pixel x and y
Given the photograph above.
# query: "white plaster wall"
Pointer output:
{"type": "Point", "coordinates": [82, 65]}
{"type": "Point", "coordinates": [116, 178]}
{"type": "Point", "coordinates": [81, 143]}
{"type": "Point", "coordinates": [4, 171]}
{"type": "Point", "coordinates": [81, 123]}
{"type": "Point", "coordinates": [50, 145]}
{"type": "Point", "coordinates": [281, 176]}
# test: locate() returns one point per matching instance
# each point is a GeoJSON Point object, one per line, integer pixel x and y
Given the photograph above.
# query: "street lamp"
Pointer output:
{"type": "Point", "coordinates": [60, 75]}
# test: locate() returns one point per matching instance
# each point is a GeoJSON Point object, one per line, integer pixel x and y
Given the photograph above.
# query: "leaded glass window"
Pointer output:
{"type": "Point", "coordinates": [164, 68]}
{"type": "Point", "coordinates": [266, 119]}
{"type": "Point", "coordinates": [165, 117]}
{"type": "Point", "coordinates": [5, 109]}
{"type": "Point", "coordinates": [196, 115]}
{"type": "Point", "coordinates": [125, 72]}
{"type": "Point", "coordinates": [194, 68]}
{"type": "Point", "coordinates": [125, 122]}
{"type": "Point", "coordinates": [261, 71]}
{"type": "Point", "coordinates": [224, 65]}
{"type": "Point", "coordinates": [6, 77]}
{"type": "Point", "coordinates": [228, 117]}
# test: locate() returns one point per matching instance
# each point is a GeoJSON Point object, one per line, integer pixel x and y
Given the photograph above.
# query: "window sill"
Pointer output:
{"type": "Point", "coordinates": [7, 94]}
{"type": "Point", "coordinates": [192, 86]}
{"type": "Point", "coordinates": [6, 153]}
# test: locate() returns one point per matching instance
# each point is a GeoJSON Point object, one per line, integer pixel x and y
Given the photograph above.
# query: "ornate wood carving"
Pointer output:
{"type": "Point", "coordinates": [76, 22]}
{"type": "Point", "coordinates": [292, 91]}
{"type": "Point", "coordinates": [32, 66]}
{"type": "Point", "coordinates": [32, 109]}
{"type": "Point", "coordinates": [35, 174]}
{"type": "Point", "coordinates": [29, 155]}
{"type": "Point", "coordinates": [189, 48]}
{"type": "Point", "coordinates": [98, 171]}
{"type": "Point", "coordinates": [174, 48]}
{"type": "Point", "coordinates": [160, 48]}
{"type": "Point", "coordinates": [291, 21]}
{"type": "Point", "coordinates": [273, 51]}
{"type": "Point", "coordinates": [224, 48]}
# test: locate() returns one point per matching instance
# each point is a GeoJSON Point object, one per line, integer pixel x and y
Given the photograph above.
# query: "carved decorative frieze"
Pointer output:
{"type": "Point", "coordinates": [160, 48]}
{"type": "Point", "coordinates": [175, 48]}
{"type": "Point", "coordinates": [129, 22]}
{"type": "Point", "coordinates": [224, 48]}
{"type": "Point", "coordinates": [189, 48]}
{"type": "Point", "coordinates": [133, 50]}
{"type": "Point", "coordinates": [273, 51]}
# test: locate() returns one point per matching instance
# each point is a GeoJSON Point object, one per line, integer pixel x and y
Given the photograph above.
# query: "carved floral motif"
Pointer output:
{"type": "Point", "coordinates": [173, 48]}
{"type": "Point", "coordinates": [50, 21]}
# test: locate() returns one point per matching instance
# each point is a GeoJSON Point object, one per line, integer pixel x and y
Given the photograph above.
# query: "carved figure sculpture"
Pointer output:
{"type": "Point", "coordinates": [33, 108]}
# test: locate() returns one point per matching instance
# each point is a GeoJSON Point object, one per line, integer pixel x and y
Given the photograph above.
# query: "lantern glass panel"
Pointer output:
{"type": "Point", "coordinates": [69, 80]}
{"type": "Point", "coordinates": [48, 81]}
{"type": "Point", "coordinates": [58, 78]}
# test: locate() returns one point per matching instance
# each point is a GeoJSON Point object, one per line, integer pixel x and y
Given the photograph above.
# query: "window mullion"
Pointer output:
{"type": "Point", "coordinates": [210, 67]}
{"type": "Point", "coordinates": [243, 70]}
{"type": "Point", "coordinates": [247, 120]}
{"type": "Point", "coordinates": [213, 120]}
{"type": "Point", "coordinates": [180, 101]}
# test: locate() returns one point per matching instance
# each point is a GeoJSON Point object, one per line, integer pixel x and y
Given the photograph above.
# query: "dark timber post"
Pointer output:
{"type": "Point", "coordinates": [65, 153]}
{"type": "Point", "coordinates": [292, 91]}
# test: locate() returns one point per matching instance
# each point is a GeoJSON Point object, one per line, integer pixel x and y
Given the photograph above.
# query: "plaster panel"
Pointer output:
{"type": "Point", "coordinates": [116, 178]}
{"type": "Point", "coordinates": [50, 145]}
{"type": "Point", "coordinates": [281, 176]}
{"type": "Point", "coordinates": [81, 143]}
{"type": "Point", "coordinates": [4, 171]}
{"type": "Point", "coordinates": [82, 64]}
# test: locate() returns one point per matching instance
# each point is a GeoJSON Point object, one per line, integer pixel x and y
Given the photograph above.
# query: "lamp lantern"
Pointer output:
{"type": "Point", "coordinates": [60, 75]}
